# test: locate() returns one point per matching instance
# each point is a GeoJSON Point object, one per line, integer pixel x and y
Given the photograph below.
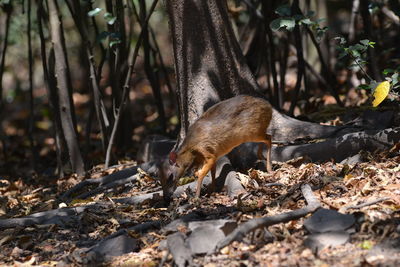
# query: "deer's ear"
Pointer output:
{"type": "Point", "coordinates": [172, 157]}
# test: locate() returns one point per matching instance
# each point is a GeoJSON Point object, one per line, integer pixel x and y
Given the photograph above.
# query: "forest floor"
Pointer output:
{"type": "Point", "coordinates": [374, 237]}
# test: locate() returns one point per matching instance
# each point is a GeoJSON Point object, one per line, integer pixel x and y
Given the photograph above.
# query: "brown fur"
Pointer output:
{"type": "Point", "coordinates": [221, 128]}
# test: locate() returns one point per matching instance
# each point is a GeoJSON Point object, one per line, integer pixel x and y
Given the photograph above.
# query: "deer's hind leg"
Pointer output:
{"type": "Point", "coordinates": [268, 142]}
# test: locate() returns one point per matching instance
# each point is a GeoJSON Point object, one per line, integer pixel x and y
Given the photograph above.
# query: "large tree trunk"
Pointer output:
{"type": "Point", "coordinates": [209, 64]}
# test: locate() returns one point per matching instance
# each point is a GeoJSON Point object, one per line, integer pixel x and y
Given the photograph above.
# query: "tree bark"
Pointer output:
{"type": "Point", "coordinates": [209, 64]}
{"type": "Point", "coordinates": [7, 8]}
{"type": "Point", "coordinates": [52, 92]}
{"type": "Point", "coordinates": [64, 89]}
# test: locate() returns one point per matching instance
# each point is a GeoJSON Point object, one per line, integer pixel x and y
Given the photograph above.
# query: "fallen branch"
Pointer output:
{"type": "Point", "coordinates": [243, 229]}
{"type": "Point", "coordinates": [60, 216]}
{"type": "Point", "coordinates": [122, 177]}
{"type": "Point", "coordinates": [103, 188]}
{"type": "Point", "coordinates": [367, 203]}
{"type": "Point", "coordinates": [339, 148]}
{"type": "Point", "coordinates": [342, 147]}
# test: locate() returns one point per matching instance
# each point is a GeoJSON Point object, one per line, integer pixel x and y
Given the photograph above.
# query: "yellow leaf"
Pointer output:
{"type": "Point", "coordinates": [381, 92]}
{"type": "Point", "coordinates": [366, 244]}
{"type": "Point", "coordinates": [348, 177]}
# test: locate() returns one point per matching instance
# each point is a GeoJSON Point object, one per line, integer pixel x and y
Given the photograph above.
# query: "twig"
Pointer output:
{"type": "Point", "coordinates": [7, 8]}
{"type": "Point", "coordinates": [300, 59]}
{"type": "Point", "coordinates": [367, 203]}
{"type": "Point", "coordinates": [270, 55]}
{"type": "Point", "coordinates": [325, 68]}
{"type": "Point", "coordinates": [157, 52]}
{"type": "Point", "coordinates": [243, 229]}
{"type": "Point", "coordinates": [353, 20]}
{"type": "Point", "coordinates": [367, 22]}
{"type": "Point", "coordinates": [76, 13]}
{"type": "Point", "coordinates": [360, 66]}
{"type": "Point", "coordinates": [153, 79]}
{"type": "Point", "coordinates": [31, 122]}
{"type": "Point", "coordinates": [132, 61]}
{"type": "Point", "coordinates": [391, 15]}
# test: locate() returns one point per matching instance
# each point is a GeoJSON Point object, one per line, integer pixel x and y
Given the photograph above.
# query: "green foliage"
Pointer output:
{"type": "Point", "coordinates": [284, 10]}
{"type": "Point", "coordinates": [109, 18]}
{"type": "Point", "coordinates": [4, 2]}
{"type": "Point", "coordinates": [392, 75]}
{"type": "Point", "coordinates": [287, 21]}
{"type": "Point", "coordinates": [113, 37]}
{"type": "Point", "coordinates": [281, 23]}
{"type": "Point", "coordinates": [94, 12]}
{"type": "Point", "coordinates": [357, 53]}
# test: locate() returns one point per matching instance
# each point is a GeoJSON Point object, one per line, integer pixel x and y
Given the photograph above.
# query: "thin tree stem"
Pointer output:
{"type": "Point", "coordinates": [132, 60]}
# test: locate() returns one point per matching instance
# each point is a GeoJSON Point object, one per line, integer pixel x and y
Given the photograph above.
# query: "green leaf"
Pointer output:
{"type": "Point", "coordinates": [366, 244]}
{"type": "Point", "coordinates": [364, 86]}
{"type": "Point", "coordinates": [280, 23]}
{"type": "Point", "coordinates": [298, 17]}
{"type": "Point", "coordinates": [103, 35]}
{"type": "Point", "coordinates": [342, 54]}
{"type": "Point", "coordinates": [114, 42]}
{"type": "Point", "coordinates": [387, 71]}
{"type": "Point", "coordinates": [306, 21]}
{"type": "Point", "coordinates": [115, 35]}
{"type": "Point", "coordinates": [109, 18]}
{"type": "Point", "coordinates": [94, 12]}
{"type": "Point", "coordinates": [310, 13]}
{"type": "Point", "coordinates": [358, 47]}
{"type": "Point", "coordinates": [395, 78]}
{"type": "Point", "coordinates": [284, 10]}
{"type": "Point", "coordinates": [355, 53]}
{"type": "Point", "coordinates": [275, 25]}
{"type": "Point", "coordinates": [354, 66]}
{"type": "Point", "coordinates": [341, 40]}
{"type": "Point", "coordinates": [365, 42]}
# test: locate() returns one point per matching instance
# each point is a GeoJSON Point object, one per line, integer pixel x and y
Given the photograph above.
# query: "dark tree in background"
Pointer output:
{"type": "Point", "coordinates": [64, 86]}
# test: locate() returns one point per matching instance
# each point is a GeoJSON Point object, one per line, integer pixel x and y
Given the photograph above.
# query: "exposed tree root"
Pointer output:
{"type": "Point", "coordinates": [245, 228]}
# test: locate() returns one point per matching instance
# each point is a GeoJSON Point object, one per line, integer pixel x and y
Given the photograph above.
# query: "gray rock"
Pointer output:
{"type": "Point", "coordinates": [317, 242]}
{"type": "Point", "coordinates": [325, 220]}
